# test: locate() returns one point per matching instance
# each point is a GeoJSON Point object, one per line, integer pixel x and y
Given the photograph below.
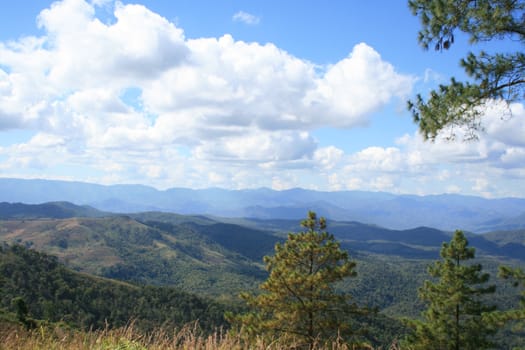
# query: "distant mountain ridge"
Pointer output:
{"type": "Point", "coordinates": [54, 210]}
{"type": "Point", "coordinates": [445, 212]}
{"type": "Point", "coordinates": [63, 223]}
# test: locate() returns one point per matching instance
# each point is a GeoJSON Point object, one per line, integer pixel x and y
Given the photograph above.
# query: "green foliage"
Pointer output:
{"type": "Point", "coordinates": [513, 318]}
{"type": "Point", "coordinates": [499, 76]}
{"type": "Point", "coordinates": [389, 284]}
{"type": "Point", "coordinates": [299, 300]}
{"type": "Point", "coordinates": [22, 313]}
{"type": "Point", "coordinates": [202, 256]}
{"type": "Point", "coordinates": [152, 252]}
{"type": "Point", "coordinates": [251, 243]}
{"type": "Point", "coordinates": [35, 285]}
{"type": "Point", "coordinates": [453, 319]}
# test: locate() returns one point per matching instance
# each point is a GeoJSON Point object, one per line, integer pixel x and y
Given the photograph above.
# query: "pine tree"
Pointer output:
{"type": "Point", "coordinates": [299, 302]}
{"type": "Point", "coordinates": [494, 76]}
{"type": "Point", "coordinates": [453, 320]}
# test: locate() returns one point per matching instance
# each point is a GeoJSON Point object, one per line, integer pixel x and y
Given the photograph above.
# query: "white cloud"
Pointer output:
{"type": "Point", "coordinates": [377, 159]}
{"type": "Point", "coordinates": [246, 17]}
{"type": "Point", "coordinates": [259, 147]}
{"type": "Point", "coordinates": [505, 124]}
{"type": "Point", "coordinates": [431, 76]}
{"type": "Point", "coordinates": [453, 189]}
{"type": "Point", "coordinates": [328, 157]}
{"type": "Point", "coordinates": [221, 98]}
{"type": "Point", "coordinates": [87, 53]}
{"type": "Point", "coordinates": [513, 157]}
{"type": "Point", "coordinates": [383, 183]}
{"type": "Point", "coordinates": [218, 111]}
{"type": "Point", "coordinates": [282, 183]}
{"type": "Point", "coordinates": [480, 185]}
{"type": "Point", "coordinates": [491, 166]}
{"type": "Point", "coordinates": [357, 86]}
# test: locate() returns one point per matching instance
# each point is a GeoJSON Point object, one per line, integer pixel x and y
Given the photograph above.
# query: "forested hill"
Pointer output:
{"type": "Point", "coordinates": [54, 293]}
{"type": "Point", "coordinates": [209, 257]}
{"type": "Point", "coordinates": [216, 256]}
{"type": "Point", "coordinates": [73, 230]}
{"type": "Point", "coordinates": [36, 288]}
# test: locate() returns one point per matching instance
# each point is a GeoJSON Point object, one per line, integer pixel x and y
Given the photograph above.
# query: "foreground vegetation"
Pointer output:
{"type": "Point", "coordinates": [299, 302]}
{"type": "Point", "coordinates": [128, 338]}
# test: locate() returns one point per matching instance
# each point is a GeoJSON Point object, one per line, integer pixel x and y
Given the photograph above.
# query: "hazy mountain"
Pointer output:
{"type": "Point", "coordinates": [446, 212]}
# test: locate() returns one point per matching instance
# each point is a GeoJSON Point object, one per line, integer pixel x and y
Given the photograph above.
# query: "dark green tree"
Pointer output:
{"type": "Point", "coordinates": [514, 317]}
{"type": "Point", "coordinates": [22, 313]}
{"type": "Point", "coordinates": [518, 278]}
{"type": "Point", "coordinates": [453, 320]}
{"type": "Point", "coordinates": [299, 302]}
{"type": "Point", "coordinates": [499, 76]}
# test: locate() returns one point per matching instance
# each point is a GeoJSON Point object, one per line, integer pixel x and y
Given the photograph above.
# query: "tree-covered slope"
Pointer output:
{"type": "Point", "coordinates": [55, 293]}
{"type": "Point", "coordinates": [221, 257]}
{"type": "Point", "coordinates": [121, 247]}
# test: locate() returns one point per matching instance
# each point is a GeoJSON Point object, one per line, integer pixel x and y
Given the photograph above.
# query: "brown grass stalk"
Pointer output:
{"type": "Point", "coordinates": [128, 338]}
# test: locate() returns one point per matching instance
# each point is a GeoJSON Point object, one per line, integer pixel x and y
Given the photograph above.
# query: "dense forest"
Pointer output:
{"type": "Point", "coordinates": [36, 288]}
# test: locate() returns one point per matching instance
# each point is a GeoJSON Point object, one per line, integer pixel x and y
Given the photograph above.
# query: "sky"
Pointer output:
{"type": "Point", "coordinates": [239, 94]}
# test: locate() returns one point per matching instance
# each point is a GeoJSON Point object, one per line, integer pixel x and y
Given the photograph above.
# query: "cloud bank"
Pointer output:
{"type": "Point", "coordinates": [134, 100]}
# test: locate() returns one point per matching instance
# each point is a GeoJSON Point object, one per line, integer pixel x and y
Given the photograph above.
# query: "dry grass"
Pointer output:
{"type": "Point", "coordinates": [187, 338]}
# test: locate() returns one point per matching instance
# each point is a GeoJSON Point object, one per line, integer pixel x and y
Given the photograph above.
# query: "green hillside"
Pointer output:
{"type": "Point", "coordinates": [54, 293]}
{"type": "Point", "coordinates": [219, 258]}
{"type": "Point", "coordinates": [213, 258]}
{"type": "Point", "coordinates": [123, 248]}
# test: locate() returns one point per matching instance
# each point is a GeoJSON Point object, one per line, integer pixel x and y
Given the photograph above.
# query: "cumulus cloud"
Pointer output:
{"type": "Point", "coordinates": [356, 86]}
{"type": "Point", "coordinates": [216, 111]}
{"type": "Point", "coordinates": [220, 97]}
{"type": "Point", "coordinates": [260, 147]}
{"type": "Point", "coordinates": [328, 157]}
{"type": "Point", "coordinates": [491, 166]}
{"type": "Point", "coordinates": [84, 52]}
{"type": "Point", "coordinates": [377, 159]}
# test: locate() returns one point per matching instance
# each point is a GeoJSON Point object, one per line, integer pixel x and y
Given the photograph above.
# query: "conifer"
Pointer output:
{"type": "Point", "coordinates": [299, 301]}
{"type": "Point", "coordinates": [453, 319]}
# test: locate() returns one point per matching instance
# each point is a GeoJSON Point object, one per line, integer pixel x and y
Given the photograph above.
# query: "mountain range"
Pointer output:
{"type": "Point", "coordinates": [158, 256]}
{"type": "Point", "coordinates": [209, 255]}
{"type": "Point", "coordinates": [444, 212]}
{"type": "Point", "coordinates": [217, 258]}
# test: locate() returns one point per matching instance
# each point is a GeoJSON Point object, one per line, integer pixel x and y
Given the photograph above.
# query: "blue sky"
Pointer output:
{"type": "Point", "coordinates": [238, 94]}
